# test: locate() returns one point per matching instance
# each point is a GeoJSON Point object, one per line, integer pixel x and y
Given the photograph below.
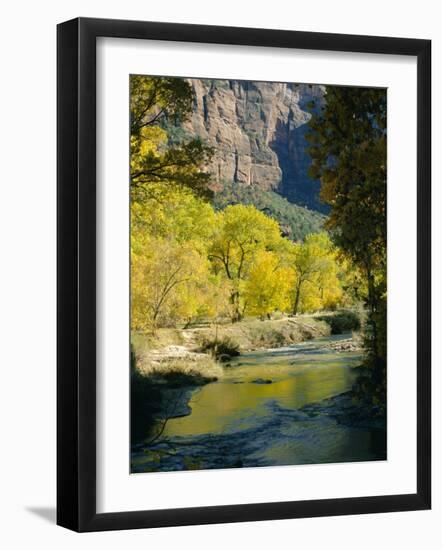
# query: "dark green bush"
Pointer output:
{"type": "Point", "coordinates": [343, 321]}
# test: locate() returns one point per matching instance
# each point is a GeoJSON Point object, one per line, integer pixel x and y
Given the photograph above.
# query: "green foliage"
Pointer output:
{"type": "Point", "coordinates": [176, 135]}
{"type": "Point", "coordinates": [348, 150]}
{"type": "Point", "coordinates": [342, 321]}
{"type": "Point", "coordinates": [296, 221]}
{"type": "Point", "coordinates": [156, 100]}
{"type": "Point", "coordinates": [348, 146]}
{"type": "Point", "coordinates": [152, 98]}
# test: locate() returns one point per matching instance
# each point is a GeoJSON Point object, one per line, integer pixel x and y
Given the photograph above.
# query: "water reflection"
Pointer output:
{"type": "Point", "coordinates": [253, 416]}
{"type": "Point", "coordinates": [296, 378]}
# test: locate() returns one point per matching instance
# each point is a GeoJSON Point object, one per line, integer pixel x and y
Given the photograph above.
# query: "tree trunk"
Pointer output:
{"type": "Point", "coordinates": [372, 302]}
{"type": "Point", "coordinates": [215, 347]}
{"type": "Point", "coordinates": [237, 315]}
{"type": "Point", "coordinates": [297, 297]}
{"type": "Point", "coordinates": [373, 299]}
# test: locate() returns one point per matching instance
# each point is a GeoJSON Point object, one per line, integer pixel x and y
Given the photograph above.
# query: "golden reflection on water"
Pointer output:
{"type": "Point", "coordinates": [238, 402]}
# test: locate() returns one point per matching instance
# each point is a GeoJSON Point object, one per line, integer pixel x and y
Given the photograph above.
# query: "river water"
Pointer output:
{"type": "Point", "coordinates": [253, 416]}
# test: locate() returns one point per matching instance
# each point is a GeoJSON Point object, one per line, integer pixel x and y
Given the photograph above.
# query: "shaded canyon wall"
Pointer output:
{"type": "Point", "coordinates": [257, 130]}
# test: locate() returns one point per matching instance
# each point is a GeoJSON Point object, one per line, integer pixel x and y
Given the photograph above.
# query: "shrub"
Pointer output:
{"type": "Point", "coordinates": [222, 349]}
{"type": "Point", "coordinates": [183, 371]}
{"type": "Point", "coordinates": [344, 321]}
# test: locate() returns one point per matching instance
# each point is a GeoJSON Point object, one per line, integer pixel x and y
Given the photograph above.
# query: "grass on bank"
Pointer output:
{"type": "Point", "coordinates": [251, 334]}
{"type": "Point", "coordinates": [193, 356]}
{"type": "Point", "coordinates": [183, 371]}
{"type": "Point", "coordinates": [155, 372]}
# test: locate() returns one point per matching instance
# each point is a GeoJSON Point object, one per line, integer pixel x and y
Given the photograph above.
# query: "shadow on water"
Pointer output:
{"type": "Point", "coordinates": [254, 416]}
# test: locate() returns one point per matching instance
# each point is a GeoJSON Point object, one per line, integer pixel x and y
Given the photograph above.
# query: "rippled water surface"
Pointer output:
{"type": "Point", "coordinates": [252, 416]}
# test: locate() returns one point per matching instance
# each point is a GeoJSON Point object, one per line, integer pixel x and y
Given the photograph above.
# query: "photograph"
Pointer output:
{"type": "Point", "coordinates": [220, 315]}
{"type": "Point", "coordinates": [258, 273]}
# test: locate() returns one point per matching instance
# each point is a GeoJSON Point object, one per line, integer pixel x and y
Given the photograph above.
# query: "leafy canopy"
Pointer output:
{"type": "Point", "coordinates": [348, 146]}
{"type": "Point", "coordinates": [156, 100]}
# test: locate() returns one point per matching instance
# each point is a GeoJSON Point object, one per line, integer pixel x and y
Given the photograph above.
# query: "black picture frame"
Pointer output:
{"type": "Point", "coordinates": [77, 287]}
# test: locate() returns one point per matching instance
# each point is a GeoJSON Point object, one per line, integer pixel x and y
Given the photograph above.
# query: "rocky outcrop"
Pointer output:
{"type": "Point", "coordinates": [257, 130]}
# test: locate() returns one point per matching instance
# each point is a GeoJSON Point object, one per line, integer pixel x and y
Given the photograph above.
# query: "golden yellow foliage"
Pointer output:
{"type": "Point", "coordinates": [316, 283]}
{"type": "Point", "coordinates": [166, 278]}
{"type": "Point", "coordinates": [268, 286]}
{"type": "Point", "coordinates": [188, 261]}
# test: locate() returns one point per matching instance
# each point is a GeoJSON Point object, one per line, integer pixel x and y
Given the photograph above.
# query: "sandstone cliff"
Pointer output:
{"type": "Point", "coordinates": [257, 130]}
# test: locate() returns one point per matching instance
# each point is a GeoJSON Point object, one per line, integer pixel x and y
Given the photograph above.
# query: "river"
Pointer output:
{"type": "Point", "coordinates": [257, 415]}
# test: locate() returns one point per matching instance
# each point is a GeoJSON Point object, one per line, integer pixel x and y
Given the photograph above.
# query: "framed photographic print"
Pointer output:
{"type": "Point", "coordinates": [243, 274]}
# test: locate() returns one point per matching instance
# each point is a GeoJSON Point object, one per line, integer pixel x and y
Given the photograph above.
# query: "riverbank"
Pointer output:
{"type": "Point", "coordinates": [169, 367]}
{"type": "Point", "coordinates": [195, 353]}
{"type": "Point", "coordinates": [288, 405]}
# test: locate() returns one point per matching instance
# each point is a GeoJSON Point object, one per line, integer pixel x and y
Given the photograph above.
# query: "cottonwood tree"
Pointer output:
{"type": "Point", "coordinates": [165, 279]}
{"type": "Point", "coordinates": [268, 285]}
{"type": "Point", "coordinates": [315, 282]}
{"type": "Point", "coordinates": [174, 213]}
{"type": "Point", "coordinates": [241, 233]}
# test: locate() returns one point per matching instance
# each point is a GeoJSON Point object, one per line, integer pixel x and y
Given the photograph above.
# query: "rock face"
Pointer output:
{"type": "Point", "coordinates": [257, 130]}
